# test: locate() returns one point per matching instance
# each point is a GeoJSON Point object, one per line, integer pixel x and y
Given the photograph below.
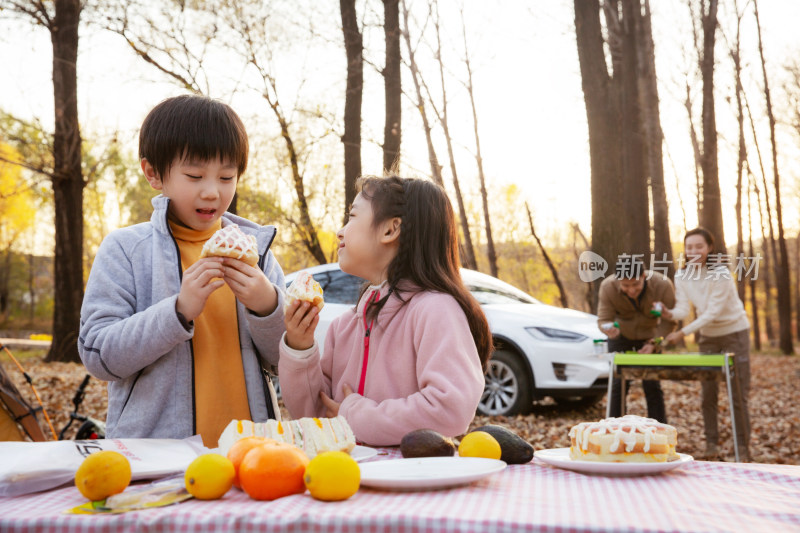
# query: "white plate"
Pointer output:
{"type": "Point", "coordinates": [427, 473]}
{"type": "Point", "coordinates": [560, 457]}
{"type": "Point", "coordinates": [360, 453]}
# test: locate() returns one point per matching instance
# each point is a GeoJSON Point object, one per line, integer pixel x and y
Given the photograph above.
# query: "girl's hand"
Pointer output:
{"type": "Point", "coordinates": [301, 320]}
{"type": "Point", "coordinates": [666, 313]}
{"type": "Point", "coordinates": [674, 338]}
{"type": "Point", "coordinates": [250, 286]}
{"type": "Point", "coordinates": [332, 407]}
{"type": "Point", "coordinates": [199, 281]}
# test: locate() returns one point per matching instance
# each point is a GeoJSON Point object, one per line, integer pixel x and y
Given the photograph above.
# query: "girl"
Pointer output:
{"type": "Point", "coordinates": [411, 354]}
{"type": "Point", "coordinates": [722, 325]}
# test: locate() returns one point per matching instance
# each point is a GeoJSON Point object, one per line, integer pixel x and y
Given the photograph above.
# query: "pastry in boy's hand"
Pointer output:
{"type": "Point", "coordinates": [304, 287]}
{"type": "Point", "coordinates": [230, 241]}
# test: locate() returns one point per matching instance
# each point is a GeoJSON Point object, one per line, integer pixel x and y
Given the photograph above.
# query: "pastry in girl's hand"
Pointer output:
{"type": "Point", "coordinates": [304, 287]}
{"type": "Point", "coordinates": [230, 241]}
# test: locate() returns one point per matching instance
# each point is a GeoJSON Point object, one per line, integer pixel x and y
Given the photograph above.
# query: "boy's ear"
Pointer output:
{"type": "Point", "coordinates": [151, 175]}
{"type": "Point", "coordinates": [390, 230]}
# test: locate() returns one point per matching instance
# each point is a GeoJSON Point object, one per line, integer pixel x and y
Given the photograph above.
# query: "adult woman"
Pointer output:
{"type": "Point", "coordinates": [722, 326]}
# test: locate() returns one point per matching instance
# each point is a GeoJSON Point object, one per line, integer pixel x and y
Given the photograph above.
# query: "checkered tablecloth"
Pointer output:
{"type": "Point", "coordinates": [701, 496]}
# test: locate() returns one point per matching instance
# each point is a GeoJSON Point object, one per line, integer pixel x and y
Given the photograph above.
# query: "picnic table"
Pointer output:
{"type": "Point", "coordinates": [699, 496]}
{"type": "Point", "coordinates": [679, 367]}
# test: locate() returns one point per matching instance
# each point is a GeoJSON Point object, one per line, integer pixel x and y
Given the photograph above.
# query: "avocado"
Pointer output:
{"type": "Point", "coordinates": [514, 449]}
{"type": "Point", "coordinates": [426, 443]}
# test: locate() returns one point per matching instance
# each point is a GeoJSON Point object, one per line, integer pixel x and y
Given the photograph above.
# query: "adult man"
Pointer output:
{"type": "Point", "coordinates": [626, 302]}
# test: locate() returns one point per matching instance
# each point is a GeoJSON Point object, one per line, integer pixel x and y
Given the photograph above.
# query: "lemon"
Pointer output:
{"type": "Point", "coordinates": [102, 474]}
{"type": "Point", "coordinates": [332, 476]}
{"type": "Point", "coordinates": [479, 444]}
{"type": "Point", "coordinates": [209, 476]}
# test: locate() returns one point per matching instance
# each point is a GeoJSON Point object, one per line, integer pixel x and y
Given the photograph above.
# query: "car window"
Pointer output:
{"type": "Point", "coordinates": [488, 296]}
{"type": "Point", "coordinates": [339, 287]}
{"type": "Point", "coordinates": [488, 290]}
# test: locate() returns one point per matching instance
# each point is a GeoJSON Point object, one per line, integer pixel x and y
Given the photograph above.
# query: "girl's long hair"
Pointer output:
{"type": "Point", "coordinates": [428, 246]}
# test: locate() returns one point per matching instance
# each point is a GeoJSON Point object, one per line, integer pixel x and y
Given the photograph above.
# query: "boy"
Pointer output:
{"type": "Point", "coordinates": [182, 340]}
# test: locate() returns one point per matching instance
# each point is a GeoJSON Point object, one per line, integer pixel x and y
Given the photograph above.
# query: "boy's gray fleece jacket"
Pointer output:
{"type": "Point", "coordinates": [131, 337]}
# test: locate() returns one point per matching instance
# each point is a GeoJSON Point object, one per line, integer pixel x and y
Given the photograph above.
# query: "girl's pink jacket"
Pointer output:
{"type": "Point", "coordinates": [423, 370]}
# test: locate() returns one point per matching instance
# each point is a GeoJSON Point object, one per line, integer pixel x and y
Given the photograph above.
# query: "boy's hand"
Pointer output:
{"type": "Point", "coordinates": [250, 286]}
{"type": "Point", "coordinates": [301, 320]}
{"type": "Point", "coordinates": [197, 285]}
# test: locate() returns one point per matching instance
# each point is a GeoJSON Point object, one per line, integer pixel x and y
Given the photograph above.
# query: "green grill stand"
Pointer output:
{"type": "Point", "coordinates": [680, 367]}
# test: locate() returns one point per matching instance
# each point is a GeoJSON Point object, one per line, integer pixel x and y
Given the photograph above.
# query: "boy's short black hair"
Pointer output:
{"type": "Point", "coordinates": [192, 127]}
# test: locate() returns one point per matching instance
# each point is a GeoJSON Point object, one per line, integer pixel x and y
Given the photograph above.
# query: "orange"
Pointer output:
{"type": "Point", "coordinates": [479, 444]}
{"type": "Point", "coordinates": [209, 476]}
{"type": "Point", "coordinates": [268, 472]}
{"type": "Point", "coordinates": [332, 476]}
{"type": "Point", "coordinates": [240, 449]}
{"type": "Point", "coordinates": [103, 474]}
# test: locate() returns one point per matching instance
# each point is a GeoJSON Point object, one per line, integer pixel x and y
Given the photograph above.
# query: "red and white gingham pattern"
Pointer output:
{"type": "Point", "coordinates": [701, 496]}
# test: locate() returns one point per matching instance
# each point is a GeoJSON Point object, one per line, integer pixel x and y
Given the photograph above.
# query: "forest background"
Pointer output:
{"type": "Point", "coordinates": [556, 127]}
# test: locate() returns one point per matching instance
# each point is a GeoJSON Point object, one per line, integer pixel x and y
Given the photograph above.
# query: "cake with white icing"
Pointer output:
{"type": "Point", "coordinates": [231, 241]}
{"type": "Point", "coordinates": [628, 439]}
{"type": "Point", "coordinates": [306, 288]}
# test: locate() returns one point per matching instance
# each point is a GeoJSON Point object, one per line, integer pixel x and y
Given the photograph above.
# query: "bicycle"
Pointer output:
{"type": "Point", "coordinates": [90, 428]}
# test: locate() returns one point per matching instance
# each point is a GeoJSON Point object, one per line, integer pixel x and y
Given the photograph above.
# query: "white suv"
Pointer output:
{"type": "Point", "coordinates": [540, 350]}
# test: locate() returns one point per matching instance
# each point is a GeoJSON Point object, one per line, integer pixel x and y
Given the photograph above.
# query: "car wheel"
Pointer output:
{"type": "Point", "coordinates": [578, 402]}
{"type": "Point", "coordinates": [509, 386]}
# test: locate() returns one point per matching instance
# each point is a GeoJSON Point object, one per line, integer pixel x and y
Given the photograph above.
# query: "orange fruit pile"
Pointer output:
{"type": "Point", "coordinates": [269, 470]}
{"type": "Point", "coordinates": [240, 448]}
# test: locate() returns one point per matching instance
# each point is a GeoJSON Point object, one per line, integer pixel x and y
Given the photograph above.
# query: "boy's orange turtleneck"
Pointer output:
{"type": "Point", "coordinates": [220, 393]}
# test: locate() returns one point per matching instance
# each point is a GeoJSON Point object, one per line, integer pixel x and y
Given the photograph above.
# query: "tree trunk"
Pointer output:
{"type": "Point", "coordinates": [797, 284]}
{"type": "Point", "coordinates": [5, 278]}
{"type": "Point", "coordinates": [467, 249]}
{"type": "Point", "coordinates": [654, 136]}
{"type": "Point", "coordinates": [698, 157]}
{"type": "Point", "coordinates": [354, 46]}
{"type": "Point", "coordinates": [712, 204]}
{"type": "Point", "coordinates": [602, 114]}
{"type": "Point", "coordinates": [31, 288]}
{"type": "Point", "coordinates": [737, 69]}
{"type": "Point", "coordinates": [590, 294]}
{"type": "Point", "coordinates": [634, 176]}
{"type": "Point", "coordinates": [547, 260]}
{"type": "Point", "coordinates": [753, 278]}
{"type": "Point", "coordinates": [436, 169]}
{"type": "Point", "coordinates": [67, 184]}
{"type": "Point", "coordinates": [768, 239]}
{"type": "Point", "coordinates": [782, 281]}
{"type": "Point", "coordinates": [392, 88]}
{"type": "Point", "coordinates": [490, 250]}
{"type": "Point", "coordinates": [309, 232]}
{"type": "Point", "coordinates": [769, 330]}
